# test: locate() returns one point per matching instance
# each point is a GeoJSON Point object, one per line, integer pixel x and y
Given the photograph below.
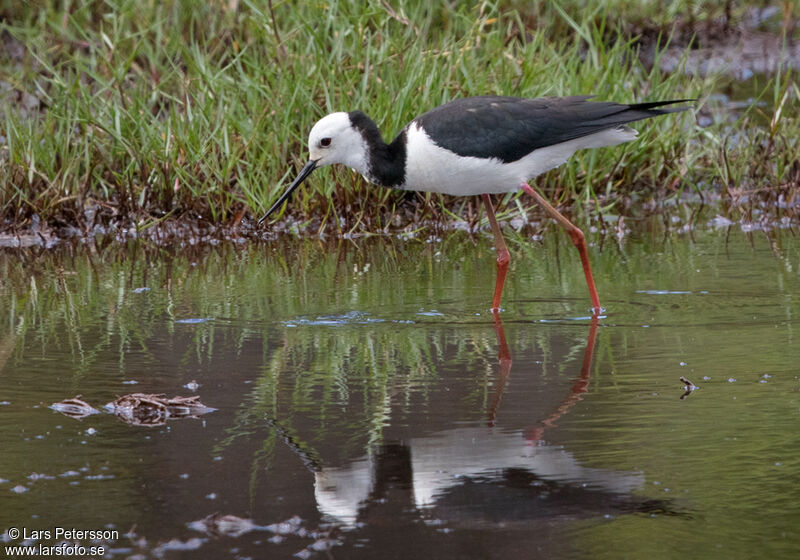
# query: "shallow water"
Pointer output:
{"type": "Point", "coordinates": [368, 403]}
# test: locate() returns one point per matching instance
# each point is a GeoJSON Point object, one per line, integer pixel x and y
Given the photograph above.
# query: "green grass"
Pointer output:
{"type": "Point", "coordinates": [194, 110]}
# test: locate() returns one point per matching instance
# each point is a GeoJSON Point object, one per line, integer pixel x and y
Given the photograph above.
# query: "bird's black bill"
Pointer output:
{"type": "Point", "coordinates": [305, 172]}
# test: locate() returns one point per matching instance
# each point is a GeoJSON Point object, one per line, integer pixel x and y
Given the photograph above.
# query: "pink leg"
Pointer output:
{"type": "Point", "coordinates": [577, 239]}
{"type": "Point", "coordinates": [503, 258]}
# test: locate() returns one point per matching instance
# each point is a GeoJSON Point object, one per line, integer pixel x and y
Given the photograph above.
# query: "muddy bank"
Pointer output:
{"type": "Point", "coordinates": [748, 213]}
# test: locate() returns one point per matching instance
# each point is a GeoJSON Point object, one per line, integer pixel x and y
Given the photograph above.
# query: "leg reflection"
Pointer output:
{"type": "Point", "coordinates": [504, 356]}
{"type": "Point", "coordinates": [575, 395]}
{"type": "Point", "coordinates": [577, 390]}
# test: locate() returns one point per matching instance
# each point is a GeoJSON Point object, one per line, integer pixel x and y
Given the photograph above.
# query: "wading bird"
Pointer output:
{"type": "Point", "coordinates": [479, 146]}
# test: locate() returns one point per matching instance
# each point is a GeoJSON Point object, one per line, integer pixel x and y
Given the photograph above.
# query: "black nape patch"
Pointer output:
{"type": "Point", "coordinates": [386, 162]}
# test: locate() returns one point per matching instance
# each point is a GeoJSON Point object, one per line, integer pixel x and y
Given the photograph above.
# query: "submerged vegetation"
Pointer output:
{"type": "Point", "coordinates": [127, 114]}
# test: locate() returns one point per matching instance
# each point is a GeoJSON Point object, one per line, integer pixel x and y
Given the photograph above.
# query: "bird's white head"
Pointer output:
{"type": "Point", "coordinates": [334, 140]}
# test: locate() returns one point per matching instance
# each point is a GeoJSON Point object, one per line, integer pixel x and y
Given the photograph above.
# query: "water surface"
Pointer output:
{"type": "Point", "coordinates": [370, 405]}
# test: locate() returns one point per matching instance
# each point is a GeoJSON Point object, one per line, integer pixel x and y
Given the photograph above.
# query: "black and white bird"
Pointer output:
{"type": "Point", "coordinates": [478, 146]}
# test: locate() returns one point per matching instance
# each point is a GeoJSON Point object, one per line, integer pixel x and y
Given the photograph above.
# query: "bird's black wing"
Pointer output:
{"type": "Point", "coordinates": [509, 128]}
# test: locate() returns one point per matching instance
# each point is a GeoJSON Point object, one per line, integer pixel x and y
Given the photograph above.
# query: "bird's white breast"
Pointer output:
{"type": "Point", "coordinates": [431, 168]}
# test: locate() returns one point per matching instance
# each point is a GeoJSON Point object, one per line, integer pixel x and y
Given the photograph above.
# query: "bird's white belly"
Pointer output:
{"type": "Point", "coordinates": [432, 168]}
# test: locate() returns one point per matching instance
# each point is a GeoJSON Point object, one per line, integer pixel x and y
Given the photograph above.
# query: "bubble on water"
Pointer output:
{"type": "Point", "coordinates": [100, 477]}
{"type": "Point", "coordinates": [40, 476]}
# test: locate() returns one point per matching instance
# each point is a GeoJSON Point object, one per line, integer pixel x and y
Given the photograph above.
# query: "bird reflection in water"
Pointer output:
{"type": "Point", "coordinates": [479, 476]}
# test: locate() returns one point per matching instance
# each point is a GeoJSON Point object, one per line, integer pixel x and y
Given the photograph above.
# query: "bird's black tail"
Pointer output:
{"type": "Point", "coordinates": [651, 107]}
{"type": "Point", "coordinates": [609, 115]}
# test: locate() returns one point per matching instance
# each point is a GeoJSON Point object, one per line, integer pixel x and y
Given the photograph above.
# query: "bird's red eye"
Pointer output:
{"type": "Point", "coordinates": [325, 142]}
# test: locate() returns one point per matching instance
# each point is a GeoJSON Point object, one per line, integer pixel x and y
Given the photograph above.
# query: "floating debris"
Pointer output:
{"type": "Point", "coordinates": [289, 527]}
{"type": "Point", "coordinates": [141, 409]}
{"type": "Point", "coordinates": [720, 222]}
{"type": "Point", "coordinates": [323, 544]}
{"type": "Point", "coordinates": [217, 526]}
{"type": "Point", "coordinates": [689, 387]}
{"type": "Point", "coordinates": [74, 408]}
{"type": "Point", "coordinates": [40, 476]}
{"type": "Point", "coordinates": [177, 544]}
{"type": "Point", "coordinates": [137, 409]}
{"type": "Point", "coordinates": [224, 525]}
